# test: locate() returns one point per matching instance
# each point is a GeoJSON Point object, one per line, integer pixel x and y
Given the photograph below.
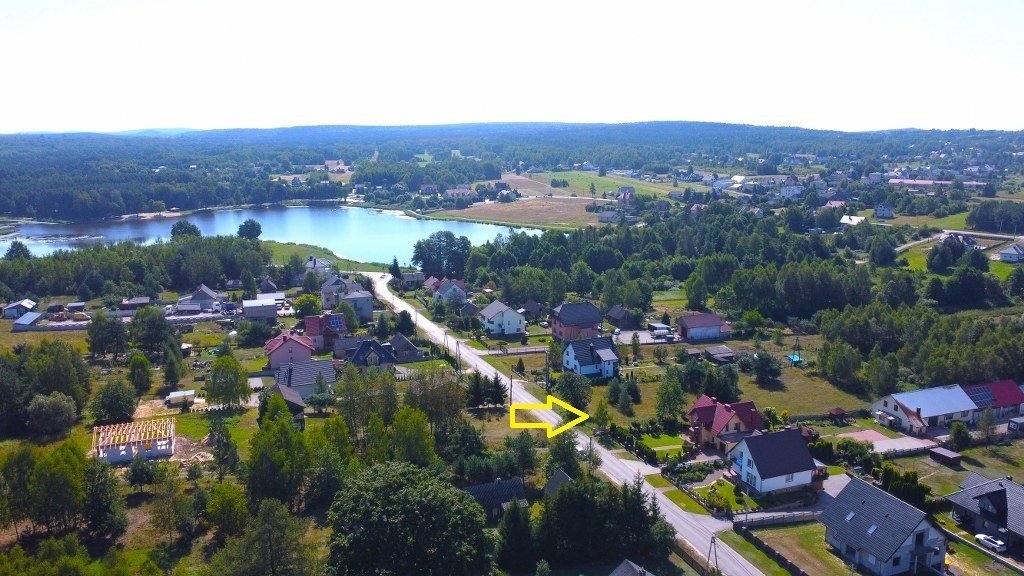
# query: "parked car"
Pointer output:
{"type": "Point", "coordinates": [990, 542]}
{"type": "Point", "coordinates": [617, 332]}
{"type": "Point", "coordinates": [544, 324]}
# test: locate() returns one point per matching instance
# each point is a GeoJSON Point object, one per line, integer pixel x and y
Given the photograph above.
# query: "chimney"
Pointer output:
{"type": "Point", "coordinates": [919, 412]}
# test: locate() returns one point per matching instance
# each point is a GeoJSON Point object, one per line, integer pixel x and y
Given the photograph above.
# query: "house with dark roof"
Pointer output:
{"type": "Point", "coordinates": [495, 497]}
{"type": "Point", "coordinates": [993, 507]}
{"type": "Point", "coordinates": [296, 405]}
{"type": "Point", "coordinates": [619, 316]}
{"type": "Point", "coordinates": [344, 344]}
{"type": "Point", "coordinates": [558, 479]}
{"type": "Point", "coordinates": [720, 425]}
{"type": "Point", "coordinates": [720, 354]}
{"type": "Point", "coordinates": [204, 296]}
{"type": "Point", "coordinates": [411, 280]}
{"type": "Point", "coordinates": [371, 354]}
{"type": "Point", "coordinates": [574, 320]}
{"type": "Point", "coordinates": [630, 568]}
{"type": "Point", "coordinates": [469, 310]}
{"type": "Point", "coordinates": [301, 376]}
{"type": "Point", "coordinates": [884, 210]}
{"type": "Point", "coordinates": [267, 285]}
{"type": "Point", "coordinates": [403, 348]}
{"type": "Point", "coordinates": [324, 329]}
{"type": "Point", "coordinates": [500, 320]}
{"type": "Point", "coordinates": [288, 348]}
{"type": "Point", "coordinates": [882, 534]}
{"type": "Point", "coordinates": [532, 309]}
{"type": "Point", "coordinates": [597, 357]}
{"type": "Point", "coordinates": [233, 284]}
{"type": "Point", "coordinates": [1003, 397]}
{"type": "Point", "coordinates": [703, 326]}
{"type": "Point", "coordinates": [770, 462]}
{"type": "Point", "coordinates": [133, 303]}
{"type": "Point", "coordinates": [451, 291]}
{"type": "Point", "coordinates": [338, 289]}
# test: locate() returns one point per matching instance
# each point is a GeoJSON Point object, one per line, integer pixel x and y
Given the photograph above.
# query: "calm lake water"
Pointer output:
{"type": "Point", "coordinates": [358, 233]}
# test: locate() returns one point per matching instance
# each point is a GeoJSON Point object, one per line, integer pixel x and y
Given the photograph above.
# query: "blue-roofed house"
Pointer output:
{"type": "Point", "coordinates": [914, 412]}
{"type": "Point", "coordinates": [26, 321]}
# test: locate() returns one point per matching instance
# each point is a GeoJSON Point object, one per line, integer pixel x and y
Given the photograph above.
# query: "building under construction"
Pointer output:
{"type": "Point", "coordinates": [121, 442]}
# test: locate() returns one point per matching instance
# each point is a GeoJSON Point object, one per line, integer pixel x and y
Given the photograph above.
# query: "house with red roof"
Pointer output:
{"type": "Point", "coordinates": [703, 326]}
{"type": "Point", "coordinates": [720, 425]}
{"type": "Point", "coordinates": [1004, 397]}
{"type": "Point", "coordinates": [323, 330]}
{"type": "Point", "coordinates": [288, 348]}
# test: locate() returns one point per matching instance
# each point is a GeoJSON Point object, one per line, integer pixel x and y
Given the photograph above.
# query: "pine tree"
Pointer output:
{"type": "Point", "coordinates": [515, 540]}
{"type": "Point", "coordinates": [625, 403]}
{"type": "Point", "coordinates": [475, 390]}
{"type": "Point", "coordinates": [496, 392]}
{"type": "Point", "coordinates": [614, 389]}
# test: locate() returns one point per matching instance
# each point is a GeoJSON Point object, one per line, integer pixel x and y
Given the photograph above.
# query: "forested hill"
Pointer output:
{"type": "Point", "coordinates": [87, 176]}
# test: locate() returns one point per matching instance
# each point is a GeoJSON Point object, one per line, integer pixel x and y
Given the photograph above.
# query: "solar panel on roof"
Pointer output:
{"type": "Point", "coordinates": [982, 396]}
{"type": "Point", "coordinates": [334, 322]}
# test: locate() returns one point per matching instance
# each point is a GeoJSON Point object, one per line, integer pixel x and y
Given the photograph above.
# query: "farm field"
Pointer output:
{"type": "Point", "coordinates": [579, 184]}
{"type": "Point", "coordinates": [552, 212]}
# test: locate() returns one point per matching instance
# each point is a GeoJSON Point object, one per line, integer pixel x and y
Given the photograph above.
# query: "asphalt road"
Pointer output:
{"type": "Point", "coordinates": [697, 529]}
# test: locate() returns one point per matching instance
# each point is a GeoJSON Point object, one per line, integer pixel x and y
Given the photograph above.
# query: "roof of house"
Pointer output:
{"type": "Point", "coordinates": [1013, 250]}
{"type": "Point", "coordinates": [136, 301]}
{"type": "Point", "coordinates": [590, 351]}
{"type": "Point", "coordinates": [628, 568]}
{"type": "Point", "coordinates": [557, 480]}
{"type": "Point", "coordinates": [719, 350]}
{"type": "Point", "coordinates": [412, 276]}
{"type": "Point", "coordinates": [702, 320]}
{"type": "Point", "coordinates": [331, 324]}
{"type": "Point", "coordinates": [25, 302]}
{"type": "Point", "coordinates": [357, 295]}
{"type": "Point", "coordinates": [273, 296]}
{"type": "Point", "coordinates": [997, 394]}
{"type": "Point", "coordinates": [779, 453]}
{"type": "Point", "coordinates": [402, 345]}
{"type": "Point", "coordinates": [291, 397]}
{"type": "Point", "coordinates": [349, 343]}
{"type": "Point", "coordinates": [1006, 496]}
{"type": "Point", "coordinates": [618, 313]}
{"type": "Point", "coordinates": [304, 374]}
{"type": "Point", "coordinates": [360, 356]}
{"type": "Point", "coordinates": [470, 309]}
{"type": "Point", "coordinates": [498, 493]}
{"type": "Point", "coordinates": [871, 519]}
{"type": "Point", "coordinates": [267, 285]}
{"type": "Point", "coordinates": [532, 307]}
{"type": "Point", "coordinates": [28, 319]}
{"type": "Point", "coordinates": [936, 401]}
{"type": "Point", "coordinates": [717, 414]}
{"type": "Point", "coordinates": [204, 292]}
{"type": "Point", "coordinates": [314, 263]}
{"type": "Point", "coordinates": [279, 340]}
{"type": "Point", "coordinates": [577, 314]}
{"type": "Point", "coordinates": [493, 309]}
{"type": "Point", "coordinates": [447, 286]}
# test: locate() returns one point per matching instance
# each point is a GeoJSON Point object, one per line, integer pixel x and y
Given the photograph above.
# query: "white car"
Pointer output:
{"type": "Point", "coordinates": [990, 542]}
{"type": "Point", "coordinates": [544, 324]}
{"type": "Point", "coordinates": [617, 332]}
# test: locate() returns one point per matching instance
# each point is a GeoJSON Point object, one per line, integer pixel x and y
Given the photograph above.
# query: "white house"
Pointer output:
{"type": "Point", "coordinates": [591, 357]}
{"type": "Point", "coordinates": [773, 461]}
{"type": "Point", "coordinates": [19, 308]}
{"type": "Point", "coordinates": [451, 291]}
{"type": "Point", "coordinates": [499, 319]}
{"type": "Point", "coordinates": [884, 535]}
{"type": "Point", "coordinates": [915, 411]}
{"type": "Point", "coordinates": [288, 349]}
{"type": "Point", "coordinates": [792, 191]}
{"type": "Point", "coordinates": [884, 210]}
{"type": "Point", "coordinates": [849, 220]}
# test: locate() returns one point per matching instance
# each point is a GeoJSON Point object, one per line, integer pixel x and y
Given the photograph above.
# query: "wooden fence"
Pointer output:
{"type": "Point", "coordinates": [785, 563]}
{"type": "Point", "coordinates": [774, 519]}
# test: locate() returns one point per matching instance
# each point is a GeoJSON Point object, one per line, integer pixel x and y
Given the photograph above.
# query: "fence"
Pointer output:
{"type": "Point", "coordinates": [774, 519]}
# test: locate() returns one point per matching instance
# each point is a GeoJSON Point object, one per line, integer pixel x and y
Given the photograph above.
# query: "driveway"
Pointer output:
{"type": "Point", "coordinates": [904, 443]}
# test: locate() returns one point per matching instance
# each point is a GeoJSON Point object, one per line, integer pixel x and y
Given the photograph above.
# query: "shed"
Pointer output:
{"type": "Point", "coordinates": [180, 398]}
{"type": "Point", "coordinates": [1016, 425]}
{"type": "Point", "coordinates": [76, 306]}
{"type": "Point", "coordinates": [947, 457]}
{"type": "Point", "coordinates": [26, 321]}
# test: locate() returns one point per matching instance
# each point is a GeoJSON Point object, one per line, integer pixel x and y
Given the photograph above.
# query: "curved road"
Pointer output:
{"type": "Point", "coordinates": [697, 529]}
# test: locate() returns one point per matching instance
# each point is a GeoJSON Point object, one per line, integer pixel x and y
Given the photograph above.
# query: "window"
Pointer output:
{"type": "Point", "coordinates": [789, 477]}
{"type": "Point", "coordinates": [750, 462]}
{"type": "Point", "coordinates": [872, 529]}
{"type": "Point", "coordinates": [963, 414]}
{"type": "Point", "coordinates": [736, 427]}
{"type": "Point", "coordinates": [885, 403]}
{"type": "Point", "coordinates": [872, 559]}
{"type": "Point", "coordinates": [896, 561]}
{"type": "Point", "coordinates": [850, 516]}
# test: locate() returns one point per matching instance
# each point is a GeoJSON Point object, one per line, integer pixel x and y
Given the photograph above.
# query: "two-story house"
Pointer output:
{"type": "Point", "coordinates": [994, 507]}
{"type": "Point", "coordinates": [288, 349]}
{"type": "Point", "coordinates": [769, 462]}
{"type": "Point", "coordinates": [338, 289]}
{"type": "Point", "coordinates": [499, 320]}
{"type": "Point", "coordinates": [720, 425]}
{"type": "Point", "coordinates": [882, 534]}
{"type": "Point", "coordinates": [450, 291]}
{"type": "Point", "coordinates": [591, 357]}
{"type": "Point", "coordinates": [574, 320]}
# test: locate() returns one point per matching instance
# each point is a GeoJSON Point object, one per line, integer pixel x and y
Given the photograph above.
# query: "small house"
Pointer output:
{"type": "Point", "coordinates": [531, 309]}
{"type": "Point", "coordinates": [720, 354]}
{"type": "Point", "coordinates": [26, 321]}
{"type": "Point", "coordinates": [495, 497]}
{"type": "Point", "coordinates": [702, 326]}
{"type": "Point", "coordinates": [469, 310]}
{"type": "Point", "coordinates": [558, 479]}
{"type": "Point", "coordinates": [500, 320]}
{"type": "Point", "coordinates": [619, 316]}
{"type": "Point", "coordinates": [721, 425]}
{"type": "Point", "coordinates": [944, 456]}
{"type": "Point", "coordinates": [233, 284]}
{"type": "Point", "coordinates": [76, 307]}
{"type": "Point", "coordinates": [301, 376]}
{"type": "Point", "coordinates": [120, 443]}
{"type": "Point", "coordinates": [371, 354]}
{"type": "Point", "coordinates": [267, 285]}
{"type": "Point", "coordinates": [180, 398]}
{"type": "Point", "coordinates": [324, 329]}
{"type": "Point", "coordinates": [882, 534]}
{"type": "Point", "coordinates": [204, 296]}
{"type": "Point", "coordinates": [630, 568]}
{"type": "Point", "coordinates": [288, 349]}
{"type": "Point", "coordinates": [1013, 253]}
{"type": "Point", "coordinates": [848, 220]}
{"type": "Point", "coordinates": [450, 291]}
{"type": "Point", "coordinates": [411, 280]}
{"type": "Point", "coordinates": [574, 320]}
{"type": "Point", "coordinates": [19, 308]}
{"type": "Point", "coordinates": [403, 348]}
{"type": "Point", "coordinates": [990, 506]}
{"type": "Point", "coordinates": [591, 357]}
{"type": "Point", "coordinates": [773, 462]}
{"type": "Point", "coordinates": [343, 345]}
{"type": "Point", "coordinates": [265, 310]}
{"type": "Point", "coordinates": [296, 404]}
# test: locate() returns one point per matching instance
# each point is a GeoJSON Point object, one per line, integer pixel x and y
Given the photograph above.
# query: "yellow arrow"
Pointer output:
{"type": "Point", "coordinates": [581, 416]}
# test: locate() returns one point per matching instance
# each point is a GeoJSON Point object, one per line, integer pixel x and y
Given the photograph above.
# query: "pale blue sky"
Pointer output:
{"type": "Point", "coordinates": [860, 65]}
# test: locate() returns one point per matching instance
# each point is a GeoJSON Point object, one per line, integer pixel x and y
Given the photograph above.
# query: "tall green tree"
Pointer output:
{"type": "Point", "coordinates": [250, 229]}
{"type": "Point", "coordinates": [103, 506]}
{"type": "Point", "coordinates": [278, 458]}
{"type": "Point", "coordinates": [411, 439]}
{"type": "Point", "coordinates": [439, 526]}
{"type": "Point", "coordinates": [223, 447]}
{"type": "Point", "coordinates": [574, 389]}
{"type": "Point", "coordinates": [114, 402]}
{"type": "Point", "coordinates": [515, 539]}
{"type": "Point", "coordinates": [140, 373]}
{"type": "Point", "coordinates": [274, 543]}
{"type": "Point", "coordinates": [228, 382]}
{"type": "Point", "coordinates": [227, 510]}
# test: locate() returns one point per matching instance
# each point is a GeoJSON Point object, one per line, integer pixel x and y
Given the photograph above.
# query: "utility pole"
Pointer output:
{"type": "Point", "coordinates": [458, 357]}
{"type": "Point", "coordinates": [547, 371]}
{"type": "Point", "coordinates": [712, 550]}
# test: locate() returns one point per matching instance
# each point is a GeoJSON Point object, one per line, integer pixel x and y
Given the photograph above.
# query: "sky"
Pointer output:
{"type": "Point", "coordinates": [111, 65]}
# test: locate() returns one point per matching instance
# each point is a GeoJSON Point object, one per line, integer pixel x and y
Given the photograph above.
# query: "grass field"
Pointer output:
{"type": "Point", "coordinates": [280, 252]}
{"type": "Point", "coordinates": [10, 339]}
{"type": "Point", "coordinates": [195, 426]}
{"type": "Point", "coordinates": [662, 441]}
{"type": "Point", "coordinates": [658, 481]}
{"type": "Point", "coordinates": [579, 184]}
{"type": "Point", "coordinates": [549, 212]}
{"type": "Point", "coordinates": [969, 562]}
{"type": "Point", "coordinates": [759, 559]}
{"type": "Point", "coordinates": [722, 487]}
{"type": "Point", "coordinates": [990, 461]}
{"type": "Point", "coordinates": [917, 259]}
{"type": "Point", "coordinates": [685, 502]}
{"type": "Point", "coordinates": [805, 545]}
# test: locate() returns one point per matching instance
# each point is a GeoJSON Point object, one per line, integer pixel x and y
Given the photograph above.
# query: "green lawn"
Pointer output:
{"type": "Point", "coordinates": [804, 544]}
{"type": "Point", "coordinates": [990, 461]}
{"type": "Point", "coordinates": [722, 487]}
{"type": "Point", "coordinates": [427, 365]}
{"type": "Point", "coordinates": [195, 426]}
{"type": "Point", "coordinates": [759, 559]}
{"type": "Point", "coordinates": [663, 441]}
{"type": "Point", "coordinates": [684, 501]}
{"type": "Point", "coordinates": [280, 252]}
{"type": "Point", "coordinates": [951, 222]}
{"type": "Point", "coordinates": [970, 562]}
{"type": "Point", "coordinates": [579, 184]}
{"type": "Point", "coordinates": [658, 481]}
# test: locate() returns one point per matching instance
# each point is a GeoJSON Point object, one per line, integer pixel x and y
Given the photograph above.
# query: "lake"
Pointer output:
{"type": "Point", "coordinates": [363, 234]}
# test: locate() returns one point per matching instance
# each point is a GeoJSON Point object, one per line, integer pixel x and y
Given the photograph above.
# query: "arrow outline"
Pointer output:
{"type": "Point", "coordinates": [551, 431]}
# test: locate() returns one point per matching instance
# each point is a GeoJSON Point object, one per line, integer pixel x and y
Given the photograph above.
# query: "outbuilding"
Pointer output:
{"type": "Point", "coordinates": [944, 456]}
